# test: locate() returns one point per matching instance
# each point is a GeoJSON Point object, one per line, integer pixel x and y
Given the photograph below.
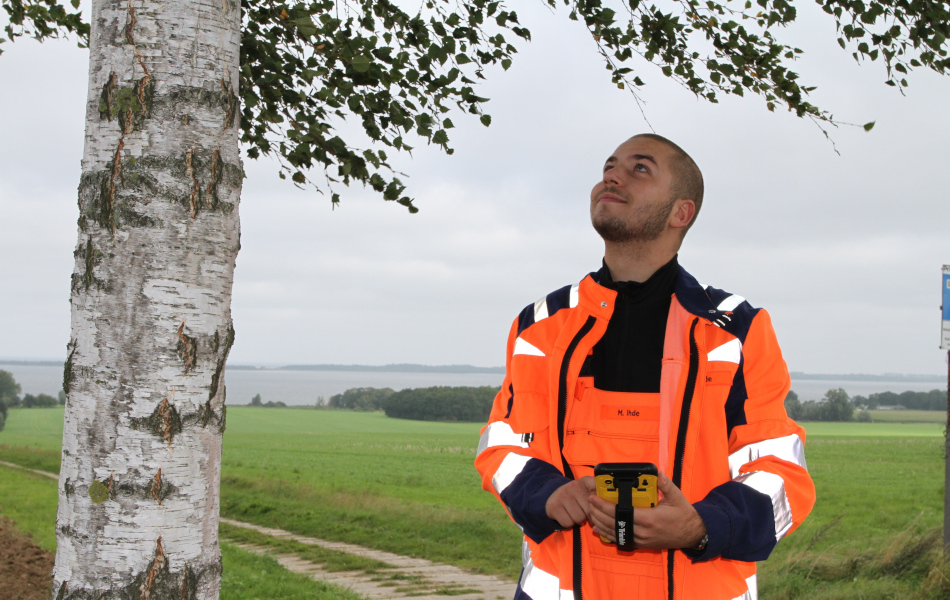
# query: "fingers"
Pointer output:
{"type": "Point", "coordinates": [569, 504]}
{"type": "Point", "coordinates": [602, 515]}
{"type": "Point", "coordinates": [671, 493]}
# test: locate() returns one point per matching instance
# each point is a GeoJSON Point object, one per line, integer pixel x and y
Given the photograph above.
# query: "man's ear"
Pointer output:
{"type": "Point", "coordinates": [682, 214]}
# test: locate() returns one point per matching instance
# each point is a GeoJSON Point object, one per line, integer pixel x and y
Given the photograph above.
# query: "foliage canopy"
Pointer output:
{"type": "Point", "coordinates": [310, 70]}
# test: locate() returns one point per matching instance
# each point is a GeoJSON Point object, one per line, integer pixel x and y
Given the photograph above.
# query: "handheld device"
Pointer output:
{"type": "Point", "coordinates": [629, 486]}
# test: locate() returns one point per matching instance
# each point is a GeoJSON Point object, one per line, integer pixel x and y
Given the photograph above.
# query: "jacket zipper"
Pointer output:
{"type": "Point", "coordinates": [679, 455]}
{"type": "Point", "coordinates": [561, 415]}
{"type": "Point", "coordinates": [612, 436]}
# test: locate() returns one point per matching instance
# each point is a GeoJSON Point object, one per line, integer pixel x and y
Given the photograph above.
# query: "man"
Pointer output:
{"type": "Point", "coordinates": [640, 363]}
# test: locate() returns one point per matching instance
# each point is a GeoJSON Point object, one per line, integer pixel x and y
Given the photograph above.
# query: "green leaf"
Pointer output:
{"type": "Point", "coordinates": [361, 63]}
{"type": "Point", "coordinates": [486, 120]}
{"type": "Point", "coordinates": [869, 126]}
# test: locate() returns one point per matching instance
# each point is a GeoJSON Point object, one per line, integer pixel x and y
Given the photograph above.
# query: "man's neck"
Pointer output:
{"type": "Point", "coordinates": [636, 262]}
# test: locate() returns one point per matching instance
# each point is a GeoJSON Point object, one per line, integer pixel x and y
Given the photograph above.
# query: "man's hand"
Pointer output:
{"type": "Point", "coordinates": [569, 505]}
{"type": "Point", "coordinates": [674, 523]}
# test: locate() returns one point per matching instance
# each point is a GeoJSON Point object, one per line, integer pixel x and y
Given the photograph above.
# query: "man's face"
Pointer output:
{"type": "Point", "coordinates": [632, 202]}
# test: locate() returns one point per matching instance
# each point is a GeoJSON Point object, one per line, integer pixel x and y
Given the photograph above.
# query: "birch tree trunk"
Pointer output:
{"type": "Point", "coordinates": [151, 295]}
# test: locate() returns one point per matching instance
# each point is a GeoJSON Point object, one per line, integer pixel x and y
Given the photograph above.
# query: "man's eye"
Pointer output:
{"type": "Point", "coordinates": [640, 167]}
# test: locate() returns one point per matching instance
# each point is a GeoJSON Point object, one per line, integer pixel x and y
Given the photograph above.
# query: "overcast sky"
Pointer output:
{"type": "Point", "coordinates": [844, 251]}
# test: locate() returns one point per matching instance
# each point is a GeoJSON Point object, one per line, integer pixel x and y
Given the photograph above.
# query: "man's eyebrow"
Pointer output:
{"type": "Point", "coordinates": [644, 157]}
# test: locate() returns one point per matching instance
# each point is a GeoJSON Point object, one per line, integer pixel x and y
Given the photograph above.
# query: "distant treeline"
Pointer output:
{"type": "Point", "coordinates": [837, 406]}
{"type": "Point", "coordinates": [441, 403]}
{"type": "Point", "coordinates": [932, 400]}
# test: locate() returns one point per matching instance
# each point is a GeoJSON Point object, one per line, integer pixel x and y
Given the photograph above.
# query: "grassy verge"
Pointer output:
{"type": "Point", "coordinates": [409, 488]}
{"type": "Point", "coordinates": [30, 501]}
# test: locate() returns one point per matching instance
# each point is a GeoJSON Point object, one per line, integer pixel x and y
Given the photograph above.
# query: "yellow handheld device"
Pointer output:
{"type": "Point", "coordinates": [629, 486]}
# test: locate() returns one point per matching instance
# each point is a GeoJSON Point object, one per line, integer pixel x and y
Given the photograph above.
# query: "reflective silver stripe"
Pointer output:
{"type": "Point", "coordinates": [541, 309]}
{"type": "Point", "coordinates": [772, 486]}
{"type": "Point", "coordinates": [538, 584]}
{"type": "Point", "coordinates": [752, 593]}
{"type": "Point", "coordinates": [730, 303]}
{"type": "Point", "coordinates": [789, 448]}
{"type": "Point", "coordinates": [731, 351]}
{"type": "Point", "coordinates": [509, 469]}
{"type": "Point", "coordinates": [575, 295]}
{"type": "Point", "coordinates": [523, 346]}
{"type": "Point", "coordinates": [500, 433]}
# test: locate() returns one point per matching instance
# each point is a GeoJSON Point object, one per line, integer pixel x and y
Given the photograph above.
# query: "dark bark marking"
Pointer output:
{"type": "Point", "coordinates": [195, 197]}
{"type": "Point", "coordinates": [89, 257]}
{"type": "Point", "coordinates": [116, 173]}
{"type": "Point", "coordinates": [212, 193]}
{"type": "Point", "coordinates": [68, 366]}
{"type": "Point", "coordinates": [187, 348]}
{"type": "Point", "coordinates": [108, 97]}
{"type": "Point", "coordinates": [164, 421]}
{"type": "Point", "coordinates": [158, 568]}
{"type": "Point", "coordinates": [222, 359]}
{"type": "Point", "coordinates": [230, 103]}
{"type": "Point", "coordinates": [157, 486]}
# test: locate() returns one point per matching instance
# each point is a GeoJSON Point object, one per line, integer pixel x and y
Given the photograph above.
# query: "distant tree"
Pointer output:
{"type": "Point", "coordinates": [38, 401]}
{"type": "Point", "coordinates": [9, 389]}
{"type": "Point", "coordinates": [272, 404]}
{"type": "Point", "coordinates": [256, 400]}
{"type": "Point", "coordinates": [792, 406]}
{"type": "Point", "coordinates": [859, 402]}
{"type": "Point", "coordinates": [864, 417]}
{"type": "Point", "coordinates": [61, 396]}
{"type": "Point", "coordinates": [836, 406]}
{"type": "Point", "coordinates": [364, 398]}
{"type": "Point", "coordinates": [3, 414]}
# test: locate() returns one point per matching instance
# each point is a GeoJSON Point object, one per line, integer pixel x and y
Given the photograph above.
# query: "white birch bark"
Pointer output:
{"type": "Point", "coordinates": [151, 295]}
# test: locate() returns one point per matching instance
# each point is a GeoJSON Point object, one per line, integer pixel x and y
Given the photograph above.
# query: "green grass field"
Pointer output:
{"type": "Point", "coordinates": [410, 488]}
{"type": "Point", "coordinates": [909, 416]}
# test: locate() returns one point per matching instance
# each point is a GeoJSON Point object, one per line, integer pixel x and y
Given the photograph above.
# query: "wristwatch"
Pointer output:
{"type": "Point", "coordinates": [701, 546]}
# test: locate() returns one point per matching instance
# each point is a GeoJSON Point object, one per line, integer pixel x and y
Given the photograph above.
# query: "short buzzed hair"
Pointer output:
{"type": "Point", "coordinates": [687, 180]}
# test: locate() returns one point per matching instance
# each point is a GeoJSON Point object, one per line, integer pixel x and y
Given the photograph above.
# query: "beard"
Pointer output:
{"type": "Point", "coordinates": [649, 224]}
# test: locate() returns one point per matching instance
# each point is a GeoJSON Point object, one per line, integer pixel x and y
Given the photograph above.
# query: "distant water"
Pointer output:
{"type": "Point", "coordinates": [303, 387]}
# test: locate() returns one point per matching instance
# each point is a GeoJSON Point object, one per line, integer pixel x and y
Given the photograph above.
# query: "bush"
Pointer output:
{"type": "Point", "coordinates": [366, 399]}
{"type": "Point", "coordinates": [442, 403]}
{"type": "Point", "coordinates": [3, 414]}
{"type": "Point", "coordinates": [9, 389]}
{"type": "Point", "coordinates": [38, 401]}
{"type": "Point", "coordinates": [835, 406]}
{"type": "Point", "coordinates": [256, 401]}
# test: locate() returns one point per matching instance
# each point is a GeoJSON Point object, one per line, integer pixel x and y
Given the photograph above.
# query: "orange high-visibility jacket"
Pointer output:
{"type": "Point", "coordinates": [718, 429]}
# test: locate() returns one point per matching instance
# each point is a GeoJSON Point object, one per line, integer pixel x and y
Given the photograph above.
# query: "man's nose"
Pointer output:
{"type": "Point", "coordinates": [612, 176]}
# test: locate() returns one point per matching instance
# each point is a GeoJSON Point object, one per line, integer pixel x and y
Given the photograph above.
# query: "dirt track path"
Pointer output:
{"type": "Point", "coordinates": [409, 577]}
